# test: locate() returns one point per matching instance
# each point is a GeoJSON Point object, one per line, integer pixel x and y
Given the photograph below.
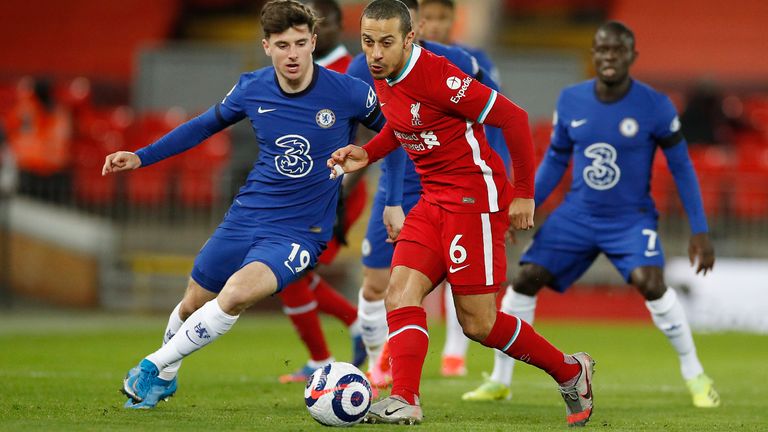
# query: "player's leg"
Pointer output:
{"type": "Point", "coordinates": [165, 384]}
{"type": "Point", "coordinates": [479, 250]}
{"type": "Point", "coordinates": [300, 305]}
{"type": "Point", "coordinates": [633, 247]}
{"type": "Point", "coordinates": [416, 270]}
{"type": "Point", "coordinates": [520, 301]}
{"type": "Point", "coordinates": [517, 339]}
{"type": "Point", "coordinates": [456, 344]}
{"type": "Point", "coordinates": [408, 341]}
{"type": "Point", "coordinates": [670, 318]}
{"type": "Point", "coordinates": [267, 264]}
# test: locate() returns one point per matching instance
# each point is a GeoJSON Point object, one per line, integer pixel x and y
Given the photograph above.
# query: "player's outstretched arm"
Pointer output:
{"type": "Point", "coordinates": [120, 161]}
{"type": "Point", "coordinates": [347, 159]}
{"type": "Point", "coordinates": [701, 253]}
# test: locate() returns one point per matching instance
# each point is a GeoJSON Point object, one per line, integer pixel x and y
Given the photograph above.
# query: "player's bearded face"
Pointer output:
{"type": "Point", "coordinates": [384, 46]}
{"type": "Point", "coordinates": [291, 52]}
{"type": "Point", "coordinates": [612, 56]}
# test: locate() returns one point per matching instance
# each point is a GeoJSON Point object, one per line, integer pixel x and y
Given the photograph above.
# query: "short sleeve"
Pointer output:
{"type": "Point", "coordinates": [560, 138]}
{"type": "Point", "coordinates": [233, 104]}
{"type": "Point", "coordinates": [459, 93]}
{"type": "Point", "coordinates": [667, 123]}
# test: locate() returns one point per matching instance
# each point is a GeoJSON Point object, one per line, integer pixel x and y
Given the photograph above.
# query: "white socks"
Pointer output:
{"type": "Point", "coordinates": [456, 343]}
{"type": "Point", "coordinates": [174, 324]}
{"type": "Point", "coordinates": [669, 317]}
{"type": "Point", "coordinates": [201, 328]}
{"type": "Point", "coordinates": [372, 316]}
{"type": "Point", "coordinates": [523, 307]}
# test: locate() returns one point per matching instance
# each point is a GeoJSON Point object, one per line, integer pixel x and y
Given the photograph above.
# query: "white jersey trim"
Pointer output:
{"type": "Point", "coordinates": [488, 107]}
{"type": "Point", "coordinates": [487, 247]}
{"type": "Point", "coordinates": [493, 194]}
{"type": "Point", "coordinates": [337, 53]}
{"type": "Point", "coordinates": [415, 53]}
{"type": "Point", "coordinates": [408, 327]}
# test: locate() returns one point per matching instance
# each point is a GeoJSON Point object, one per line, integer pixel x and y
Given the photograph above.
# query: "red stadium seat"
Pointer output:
{"type": "Point", "coordinates": [750, 194]}
{"type": "Point", "coordinates": [714, 169]}
{"type": "Point", "coordinates": [152, 187]}
{"type": "Point", "coordinates": [200, 171]}
{"type": "Point", "coordinates": [663, 186]}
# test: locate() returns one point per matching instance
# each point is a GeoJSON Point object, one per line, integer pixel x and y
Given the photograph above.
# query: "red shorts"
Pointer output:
{"type": "Point", "coordinates": [355, 205]}
{"type": "Point", "coordinates": [466, 249]}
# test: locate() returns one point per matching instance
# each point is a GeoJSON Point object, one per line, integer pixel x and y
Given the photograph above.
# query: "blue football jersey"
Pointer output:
{"type": "Point", "coordinates": [613, 145]}
{"type": "Point", "coordinates": [288, 186]}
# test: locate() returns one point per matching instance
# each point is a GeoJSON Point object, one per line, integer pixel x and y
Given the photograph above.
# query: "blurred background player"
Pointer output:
{"type": "Point", "coordinates": [437, 19]}
{"type": "Point", "coordinates": [283, 216]}
{"type": "Point", "coordinates": [457, 229]}
{"type": "Point", "coordinates": [398, 191]}
{"type": "Point", "coordinates": [303, 298]}
{"type": "Point", "coordinates": [611, 126]}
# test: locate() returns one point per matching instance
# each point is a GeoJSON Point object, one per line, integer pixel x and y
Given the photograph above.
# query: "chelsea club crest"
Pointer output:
{"type": "Point", "coordinates": [325, 118]}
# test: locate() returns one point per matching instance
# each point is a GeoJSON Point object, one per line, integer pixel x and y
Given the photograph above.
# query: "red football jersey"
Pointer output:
{"type": "Point", "coordinates": [434, 111]}
{"type": "Point", "coordinates": [337, 60]}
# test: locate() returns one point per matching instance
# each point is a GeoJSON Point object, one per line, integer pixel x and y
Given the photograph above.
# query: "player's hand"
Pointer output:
{"type": "Point", "coordinates": [521, 214]}
{"type": "Point", "coordinates": [393, 217]}
{"type": "Point", "coordinates": [701, 253]}
{"type": "Point", "coordinates": [120, 161]}
{"type": "Point", "coordinates": [346, 160]}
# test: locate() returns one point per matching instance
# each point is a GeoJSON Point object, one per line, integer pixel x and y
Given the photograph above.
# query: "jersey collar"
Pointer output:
{"type": "Point", "coordinates": [415, 53]}
{"type": "Point", "coordinates": [335, 54]}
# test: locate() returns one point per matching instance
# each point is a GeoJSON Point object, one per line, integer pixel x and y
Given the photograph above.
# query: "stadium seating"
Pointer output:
{"type": "Point", "coordinates": [200, 171]}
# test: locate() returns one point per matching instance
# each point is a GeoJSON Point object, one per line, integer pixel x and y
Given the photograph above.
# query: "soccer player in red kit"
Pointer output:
{"type": "Point", "coordinates": [456, 231]}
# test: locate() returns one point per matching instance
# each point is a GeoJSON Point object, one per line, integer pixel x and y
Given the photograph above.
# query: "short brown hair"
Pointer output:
{"type": "Point", "coordinates": [387, 9]}
{"type": "Point", "coordinates": [278, 16]}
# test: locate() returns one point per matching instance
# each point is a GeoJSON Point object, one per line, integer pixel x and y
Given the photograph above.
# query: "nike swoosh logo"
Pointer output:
{"type": "Point", "coordinates": [316, 394]}
{"type": "Point", "coordinates": [262, 110]}
{"type": "Point", "coordinates": [577, 123]}
{"type": "Point", "coordinates": [389, 413]}
{"type": "Point", "coordinates": [454, 270]}
{"type": "Point", "coordinates": [649, 254]}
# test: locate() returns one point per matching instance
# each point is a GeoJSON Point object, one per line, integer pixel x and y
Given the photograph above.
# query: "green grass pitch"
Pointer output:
{"type": "Point", "coordinates": [63, 371]}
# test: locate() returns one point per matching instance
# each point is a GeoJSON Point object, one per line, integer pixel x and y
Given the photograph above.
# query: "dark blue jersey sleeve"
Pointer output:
{"type": "Point", "coordinates": [556, 159]}
{"type": "Point", "coordinates": [670, 139]}
{"type": "Point", "coordinates": [184, 137]}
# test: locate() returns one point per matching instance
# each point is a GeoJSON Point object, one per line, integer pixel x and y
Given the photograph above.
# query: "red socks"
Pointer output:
{"type": "Point", "coordinates": [519, 340]}
{"type": "Point", "coordinates": [300, 306]}
{"type": "Point", "coordinates": [408, 342]}
{"type": "Point", "coordinates": [329, 300]}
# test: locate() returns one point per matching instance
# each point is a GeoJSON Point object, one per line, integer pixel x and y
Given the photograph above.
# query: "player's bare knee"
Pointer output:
{"type": "Point", "coordinates": [375, 283]}
{"type": "Point", "coordinates": [530, 278]}
{"type": "Point", "coordinates": [649, 281]}
{"type": "Point", "coordinates": [475, 328]}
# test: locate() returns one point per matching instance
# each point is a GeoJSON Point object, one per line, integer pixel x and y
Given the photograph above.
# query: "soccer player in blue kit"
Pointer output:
{"type": "Point", "coordinates": [611, 126]}
{"type": "Point", "coordinates": [283, 216]}
{"type": "Point", "coordinates": [398, 191]}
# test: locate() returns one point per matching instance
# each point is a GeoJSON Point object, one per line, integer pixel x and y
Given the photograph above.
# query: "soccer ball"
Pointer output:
{"type": "Point", "coordinates": [338, 395]}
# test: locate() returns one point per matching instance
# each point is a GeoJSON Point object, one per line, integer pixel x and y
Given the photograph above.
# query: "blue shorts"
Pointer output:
{"type": "Point", "coordinates": [232, 247]}
{"type": "Point", "coordinates": [570, 240]}
{"type": "Point", "coordinates": [377, 253]}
